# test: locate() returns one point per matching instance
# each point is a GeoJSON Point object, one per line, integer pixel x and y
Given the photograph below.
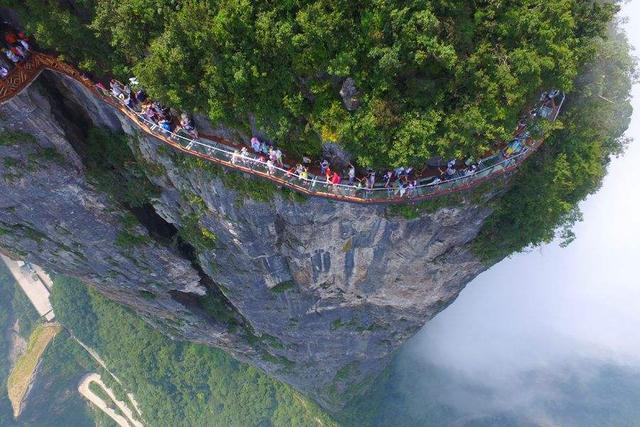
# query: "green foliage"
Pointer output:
{"type": "Point", "coordinates": [112, 167]}
{"type": "Point", "coordinates": [54, 400]}
{"type": "Point", "coordinates": [543, 202]}
{"type": "Point", "coordinates": [283, 286]}
{"type": "Point", "coordinates": [7, 289]}
{"type": "Point", "coordinates": [68, 293]}
{"type": "Point", "coordinates": [64, 28]}
{"type": "Point", "coordinates": [99, 391]}
{"type": "Point", "coordinates": [147, 295]}
{"type": "Point", "coordinates": [435, 77]}
{"type": "Point", "coordinates": [198, 236]}
{"type": "Point", "coordinates": [415, 210]}
{"type": "Point", "coordinates": [128, 240]}
{"type": "Point", "coordinates": [15, 137]}
{"type": "Point", "coordinates": [214, 306]}
{"type": "Point", "coordinates": [183, 383]}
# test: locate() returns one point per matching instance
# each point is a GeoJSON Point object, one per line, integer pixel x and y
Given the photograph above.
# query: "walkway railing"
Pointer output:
{"type": "Point", "coordinates": [26, 72]}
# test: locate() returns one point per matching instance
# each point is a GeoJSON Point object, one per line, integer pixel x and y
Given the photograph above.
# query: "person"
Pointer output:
{"type": "Point", "coordinates": [235, 156]}
{"type": "Point", "coordinates": [149, 112]}
{"type": "Point", "coordinates": [19, 52]}
{"type": "Point", "coordinates": [187, 126]}
{"type": "Point", "coordinates": [10, 38]}
{"type": "Point", "coordinates": [324, 165]}
{"type": "Point", "coordinates": [279, 158]}
{"type": "Point", "coordinates": [271, 169]}
{"type": "Point", "coordinates": [264, 148]}
{"type": "Point", "coordinates": [400, 188]}
{"type": "Point", "coordinates": [351, 173]}
{"type": "Point", "coordinates": [272, 155]}
{"type": "Point", "coordinates": [336, 179]}
{"type": "Point", "coordinates": [244, 155]}
{"type": "Point", "coordinates": [129, 101]}
{"type": "Point", "coordinates": [22, 36]}
{"type": "Point", "coordinates": [387, 179]}
{"type": "Point", "coordinates": [24, 45]}
{"type": "Point", "coordinates": [306, 161]}
{"type": "Point", "coordinates": [327, 174]}
{"type": "Point", "coordinates": [255, 144]}
{"type": "Point", "coordinates": [304, 174]}
{"type": "Point", "coordinates": [116, 88]}
{"type": "Point", "coordinates": [411, 188]}
{"type": "Point", "coordinates": [141, 96]}
{"type": "Point", "coordinates": [371, 181]}
{"type": "Point", "coordinates": [3, 72]}
{"type": "Point", "coordinates": [165, 125]}
{"type": "Point", "coordinates": [12, 56]}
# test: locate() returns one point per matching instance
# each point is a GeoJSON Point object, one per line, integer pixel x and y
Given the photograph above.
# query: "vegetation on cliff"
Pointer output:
{"type": "Point", "coordinates": [24, 369]}
{"type": "Point", "coordinates": [53, 400]}
{"type": "Point", "coordinates": [178, 383]}
{"type": "Point", "coordinates": [431, 77]}
{"type": "Point", "coordinates": [542, 203]}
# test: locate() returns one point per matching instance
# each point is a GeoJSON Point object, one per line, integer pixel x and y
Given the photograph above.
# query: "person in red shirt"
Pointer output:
{"type": "Point", "coordinates": [10, 38]}
{"type": "Point", "coordinates": [336, 179]}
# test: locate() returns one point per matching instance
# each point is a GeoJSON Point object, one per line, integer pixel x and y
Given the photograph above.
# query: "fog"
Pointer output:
{"type": "Point", "coordinates": [551, 329]}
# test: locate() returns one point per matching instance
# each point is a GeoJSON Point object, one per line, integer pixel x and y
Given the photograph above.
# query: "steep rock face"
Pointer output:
{"type": "Point", "coordinates": [317, 293]}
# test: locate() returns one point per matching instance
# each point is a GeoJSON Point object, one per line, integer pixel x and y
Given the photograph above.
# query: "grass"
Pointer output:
{"type": "Point", "coordinates": [25, 368]}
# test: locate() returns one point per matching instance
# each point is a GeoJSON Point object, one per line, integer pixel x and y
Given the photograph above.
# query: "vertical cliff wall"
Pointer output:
{"type": "Point", "coordinates": [317, 293]}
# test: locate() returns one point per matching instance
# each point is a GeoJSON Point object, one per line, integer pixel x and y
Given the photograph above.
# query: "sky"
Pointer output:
{"type": "Point", "coordinates": [551, 308]}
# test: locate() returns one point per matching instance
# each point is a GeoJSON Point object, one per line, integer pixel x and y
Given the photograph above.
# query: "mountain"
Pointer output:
{"type": "Point", "coordinates": [317, 293]}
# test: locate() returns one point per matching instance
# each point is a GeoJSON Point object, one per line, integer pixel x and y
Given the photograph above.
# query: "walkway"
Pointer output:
{"type": "Point", "coordinates": [221, 152]}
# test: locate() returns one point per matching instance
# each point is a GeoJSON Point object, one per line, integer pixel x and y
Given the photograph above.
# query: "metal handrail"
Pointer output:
{"type": "Point", "coordinates": [190, 143]}
{"type": "Point", "coordinates": [225, 155]}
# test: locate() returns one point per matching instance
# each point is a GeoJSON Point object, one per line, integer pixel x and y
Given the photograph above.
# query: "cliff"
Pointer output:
{"type": "Point", "coordinates": [317, 293]}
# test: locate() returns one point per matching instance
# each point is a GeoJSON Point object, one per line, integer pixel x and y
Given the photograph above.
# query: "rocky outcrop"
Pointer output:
{"type": "Point", "coordinates": [317, 293]}
{"type": "Point", "coordinates": [349, 94]}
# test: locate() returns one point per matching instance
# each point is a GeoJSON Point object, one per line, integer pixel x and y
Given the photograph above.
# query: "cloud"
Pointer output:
{"type": "Point", "coordinates": [548, 336]}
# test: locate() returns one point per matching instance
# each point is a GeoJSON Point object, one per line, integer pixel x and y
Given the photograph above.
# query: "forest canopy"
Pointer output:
{"type": "Point", "coordinates": [432, 77]}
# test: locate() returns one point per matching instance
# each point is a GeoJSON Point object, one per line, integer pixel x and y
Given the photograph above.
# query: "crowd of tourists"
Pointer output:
{"type": "Point", "coordinates": [164, 118]}
{"type": "Point", "coordinates": [15, 48]}
{"type": "Point", "coordinates": [401, 181]}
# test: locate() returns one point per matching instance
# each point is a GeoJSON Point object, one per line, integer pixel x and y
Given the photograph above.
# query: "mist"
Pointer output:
{"type": "Point", "coordinates": [549, 337]}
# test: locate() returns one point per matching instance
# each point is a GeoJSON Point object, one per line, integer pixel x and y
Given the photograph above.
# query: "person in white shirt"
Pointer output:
{"type": "Point", "coordinates": [12, 56]}
{"type": "Point", "coordinates": [271, 168]}
{"type": "Point", "coordinates": [351, 174]}
{"type": "Point", "coordinates": [3, 72]}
